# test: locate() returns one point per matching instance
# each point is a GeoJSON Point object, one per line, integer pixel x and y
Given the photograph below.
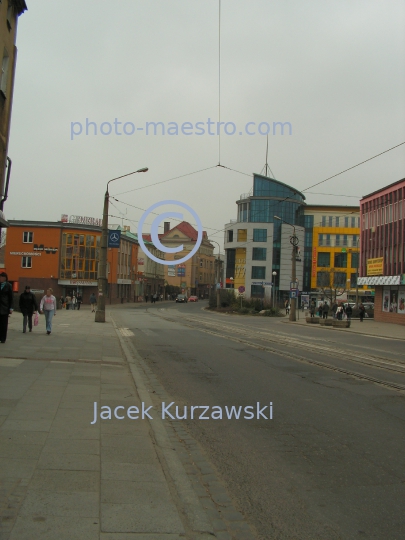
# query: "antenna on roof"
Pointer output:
{"type": "Point", "coordinates": [266, 168]}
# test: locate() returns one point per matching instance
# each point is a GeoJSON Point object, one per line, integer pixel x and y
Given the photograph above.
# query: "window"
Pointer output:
{"type": "Point", "coordinates": [337, 221]}
{"type": "Point", "coordinates": [354, 240]}
{"type": "Point", "coordinates": [323, 221]}
{"type": "Point", "coordinates": [201, 264]}
{"type": "Point", "coordinates": [355, 260]}
{"type": "Point", "coordinates": [26, 262]}
{"type": "Point", "coordinates": [27, 237]}
{"type": "Point", "coordinates": [345, 239]}
{"type": "Point", "coordinates": [337, 240]}
{"type": "Point", "coordinates": [346, 221]}
{"type": "Point", "coordinates": [258, 272]}
{"type": "Point", "coordinates": [322, 279]}
{"type": "Point", "coordinates": [339, 279]}
{"type": "Point", "coordinates": [230, 236]}
{"type": "Point", "coordinates": [353, 280]}
{"type": "Point", "coordinates": [242, 235]}
{"type": "Point", "coordinates": [259, 254]}
{"type": "Point", "coordinates": [10, 15]}
{"type": "Point", "coordinates": [4, 72]}
{"type": "Point", "coordinates": [328, 239]}
{"type": "Point", "coordinates": [330, 221]}
{"type": "Point", "coordinates": [341, 260]}
{"type": "Point", "coordinates": [353, 221]}
{"type": "Point", "coordinates": [324, 259]}
{"type": "Point", "coordinates": [320, 239]}
{"type": "Point", "coordinates": [259, 235]}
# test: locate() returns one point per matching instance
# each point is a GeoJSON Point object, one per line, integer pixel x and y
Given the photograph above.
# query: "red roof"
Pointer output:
{"type": "Point", "coordinates": [186, 229]}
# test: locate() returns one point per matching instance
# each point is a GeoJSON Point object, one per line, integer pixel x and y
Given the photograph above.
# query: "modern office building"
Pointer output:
{"type": "Point", "coordinates": [331, 253]}
{"type": "Point", "coordinates": [257, 243]}
{"type": "Point", "coordinates": [10, 10]}
{"type": "Point", "coordinates": [382, 250]}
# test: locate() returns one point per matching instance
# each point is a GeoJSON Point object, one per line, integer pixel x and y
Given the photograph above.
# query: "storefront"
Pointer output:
{"type": "Point", "coordinates": [389, 300]}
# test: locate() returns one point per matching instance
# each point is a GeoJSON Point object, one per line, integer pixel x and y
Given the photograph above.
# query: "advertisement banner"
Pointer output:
{"type": "Point", "coordinates": [375, 267]}
{"type": "Point", "coordinates": [171, 270]}
{"type": "Point", "coordinates": [386, 300]}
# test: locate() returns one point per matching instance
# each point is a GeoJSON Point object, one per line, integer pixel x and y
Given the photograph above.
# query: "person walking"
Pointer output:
{"type": "Point", "coordinates": [68, 300]}
{"type": "Point", "coordinates": [312, 309]}
{"type": "Point", "coordinates": [325, 310]}
{"type": "Point", "coordinates": [48, 307]}
{"type": "Point", "coordinates": [339, 312]}
{"type": "Point", "coordinates": [79, 301]}
{"type": "Point", "coordinates": [362, 310]}
{"type": "Point", "coordinates": [93, 302]}
{"type": "Point", "coordinates": [154, 298]}
{"type": "Point", "coordinates": [286, 305]}
{"type": "Point", "coordinates": [334, 309]}
{"type": "Point", "coordinates": [6, 305]}
{"type": "Point", "coordinates": [349, 312]}
{"type": "Point", "coordinates": [74, 301]}
{"type": "Point", "coordinates": [28, 306]}
{"type": "Point", "coordinates": [62, 301]}
{"type": "Point", "coordinates": [320, 309]}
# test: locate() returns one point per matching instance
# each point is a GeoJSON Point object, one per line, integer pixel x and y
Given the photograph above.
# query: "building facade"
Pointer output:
{"type": "Point", "coordinates": [9, 12]}
{"type": "Point", "coordinates": [382, 250]}
{"type": "Point", "coordinates": [257, 243]}
{"type": "Point", "coordinates": [331, 254]}
{"type": "Point", "coordinates": [196, 275]}
{"type": "Point", "coordinates": [64, 256]}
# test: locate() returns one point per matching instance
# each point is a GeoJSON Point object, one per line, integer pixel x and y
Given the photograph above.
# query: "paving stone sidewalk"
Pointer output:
{"type": "Point", "coordinates": [62, 478]}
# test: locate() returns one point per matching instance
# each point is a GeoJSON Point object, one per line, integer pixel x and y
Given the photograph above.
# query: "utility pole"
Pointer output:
{"type": "Point", "coordinates": [294, 278]}
{"type": "Point", "coordinates": [102, 265]}
{"type": "Point", "coordinates": [218, 291]}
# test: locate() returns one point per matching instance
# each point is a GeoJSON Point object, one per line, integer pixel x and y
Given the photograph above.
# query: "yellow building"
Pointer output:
{"type": "Point", "coordinates": [331, 256]}
{"type": "Point", "coordinates": [196, 275]}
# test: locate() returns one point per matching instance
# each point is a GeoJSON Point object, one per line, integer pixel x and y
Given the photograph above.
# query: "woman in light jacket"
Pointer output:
{"type": "Point", "coordinates": [48, 307]}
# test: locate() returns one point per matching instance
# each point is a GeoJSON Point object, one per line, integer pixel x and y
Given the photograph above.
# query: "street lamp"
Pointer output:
{"type": "Point", "coordinates": [102, 263]}
{"type": "Point", "coordinates": [218, 292]}
{"type": "Point", "coordinates": [273, 288]}
{"type": "Point", "coordinates": [294, 243]}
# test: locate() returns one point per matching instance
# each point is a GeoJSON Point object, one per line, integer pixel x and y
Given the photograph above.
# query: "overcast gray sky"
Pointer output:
{"type": "Point", "coordinates": [333, 69]}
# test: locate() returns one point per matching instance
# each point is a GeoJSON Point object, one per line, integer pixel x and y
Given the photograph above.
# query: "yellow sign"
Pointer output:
{"type": "Point", "coordinates": [375, 267]}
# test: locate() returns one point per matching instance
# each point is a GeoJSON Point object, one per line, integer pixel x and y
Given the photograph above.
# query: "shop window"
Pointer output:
{"type": "Point", "coordinates": [259, 254]}
{"type": "Point", "coordinates": [26, 262]}
{"type": "Point", "coordinates": [258, 272]}
{"type": "Point", "coordinates": [259, 235]}
{"type": "Point", "coordinates": [324, 260]}
{"type": "Point", "coordinates": [28, 237]}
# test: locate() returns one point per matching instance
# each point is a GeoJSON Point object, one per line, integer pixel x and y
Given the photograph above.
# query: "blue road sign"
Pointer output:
{"type": "Point", "coordinates": [114, 238]}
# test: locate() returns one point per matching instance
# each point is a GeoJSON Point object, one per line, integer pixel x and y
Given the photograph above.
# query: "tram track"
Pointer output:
{"type": "Point", "coordinates": [244, 336]}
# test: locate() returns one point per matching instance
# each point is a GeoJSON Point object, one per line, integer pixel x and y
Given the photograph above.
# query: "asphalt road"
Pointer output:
{"type": "Point", "coordinates": [331, 462]}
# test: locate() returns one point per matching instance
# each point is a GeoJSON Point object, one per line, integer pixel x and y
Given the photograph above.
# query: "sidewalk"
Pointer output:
{"type": "Point", "coordinates": [65, 479]}
{"type": "Point", "coordinates": [368, 327]}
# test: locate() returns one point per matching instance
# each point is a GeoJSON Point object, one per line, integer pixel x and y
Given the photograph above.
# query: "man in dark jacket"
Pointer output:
{"type": "Point", "coordinates": [6, 305]}
{"type": "Point", "coordinates": [349, 311]}
{"type": "Point", "coordinates": [28, 305]}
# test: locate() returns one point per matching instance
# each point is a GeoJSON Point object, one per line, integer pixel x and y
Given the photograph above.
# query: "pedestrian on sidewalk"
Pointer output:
{"type": "Point", "coordinates": [79, 301]}
{"type": "Point", "coordinates": [349, 312]}
{"type": "Point", "coordinates": [325, 310]}
{"type": "Point", "coordinates": [28, 305]}
{"type": "Point", "coordinates": [93, 302]}
{"type": "Point", "coordinates": [334, 309]}
{"type": "Point", "coordinates": [6, 305]}
{"type": "Point", "coordinates": [287, 307]}
{"type": "Point", "coordinates": [339, 312]}
{"type": "Point", "coordinates": [161, 297]}
{"type": "Point", "coordinates": [74, 301]}
{"type": "Point", "coordinates": [320, 309]}
{"type": "Point", "coordinates": [362, 310]}
{"type": "Point", "coordinates": [48, 307]}
{"type": "Point", "coordinates": [312, 309]}
{"type": "Point", "coordinates": [62, 302]}
{"type": "Point", "coordinates": [154, 298]}
{"type": "Point", "coordinates": [68, 301]}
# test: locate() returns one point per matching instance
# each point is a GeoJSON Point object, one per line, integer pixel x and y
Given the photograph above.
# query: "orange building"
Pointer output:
{"type": "Point", "coordinates": [64, 256]}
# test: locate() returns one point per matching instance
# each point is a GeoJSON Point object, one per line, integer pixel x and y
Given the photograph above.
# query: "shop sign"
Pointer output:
{"type": "Point", "coordinates": [82, 220]}
{"type": "Point", "coordinates": [375, 267]}
{"type": "Point", "coordinates": [171, 270]}
{"type": "Point", "coordinates": [141, 262]}
{"type": "Point", "coordinates": [121, 281]}
{"type": "Point", "coordinates": [314, 262]}
{"type": "Point", "coordinates": [82, 282]}
{"type": "Point", "coordinates": [46, 249]}
{"type": "Point", "coordinates": [25, 253]}
{"type": "Point", "coordinates": [379, 280]}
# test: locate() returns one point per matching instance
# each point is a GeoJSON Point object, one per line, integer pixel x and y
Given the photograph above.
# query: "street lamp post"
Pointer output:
{"type": "Point", "coordinates": [218, 292]}
{"type": "Point", "coordinates": [294, 243]}
{"type": "Point", "coordinates": [102, 263]}
{"type": "Point", "coordinates": [273, 288]}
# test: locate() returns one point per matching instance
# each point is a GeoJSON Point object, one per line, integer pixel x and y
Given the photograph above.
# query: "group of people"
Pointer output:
{"type": "Point", "coordinates": [71, 302]}
{"type": "Point", "coordinates": [154, 297]}
{"type": "Point", "coordinates": [339, 311]}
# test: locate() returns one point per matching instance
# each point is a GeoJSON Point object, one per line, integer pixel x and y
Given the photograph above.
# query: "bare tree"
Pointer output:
{"type": "Point", "coordinates": [332, 283]}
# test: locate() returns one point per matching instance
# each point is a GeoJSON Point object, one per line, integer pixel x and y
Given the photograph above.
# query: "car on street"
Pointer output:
{"type": "Point", "coordinates": [182, 298]}
{"type": "Point", "coordinates": [193, 299]}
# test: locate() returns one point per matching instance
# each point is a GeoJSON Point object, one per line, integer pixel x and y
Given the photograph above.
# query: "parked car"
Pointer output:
{"type": "Point", "coordinates": [193, 299]}
{"type": "Point", "coordinates": [182, 298]}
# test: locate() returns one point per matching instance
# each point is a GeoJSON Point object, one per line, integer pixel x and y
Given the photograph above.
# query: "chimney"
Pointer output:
{"type": "Point", "coordinates": [166, 226]}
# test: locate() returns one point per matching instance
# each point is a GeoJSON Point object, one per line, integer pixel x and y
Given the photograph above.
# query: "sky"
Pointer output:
{"type": "Point", "coordinates": [333, 71]}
